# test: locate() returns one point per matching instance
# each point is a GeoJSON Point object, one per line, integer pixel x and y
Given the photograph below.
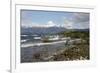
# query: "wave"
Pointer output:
{"type": "Point", "coordinates": [41, 44]}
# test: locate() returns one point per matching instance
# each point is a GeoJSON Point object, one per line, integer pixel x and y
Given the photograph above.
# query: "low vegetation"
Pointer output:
{"type": "Point", "coordinates": [78, 52]}
{"type": "Point", "coordinates": [73, 51]}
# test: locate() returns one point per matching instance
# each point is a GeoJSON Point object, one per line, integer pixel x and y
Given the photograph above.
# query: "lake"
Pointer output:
{"type": "Point", "coordinates": [28, 52]}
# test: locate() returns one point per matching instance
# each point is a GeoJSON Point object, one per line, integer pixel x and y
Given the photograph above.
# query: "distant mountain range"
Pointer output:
{"type": "Point", "coordinates": [43, 30]}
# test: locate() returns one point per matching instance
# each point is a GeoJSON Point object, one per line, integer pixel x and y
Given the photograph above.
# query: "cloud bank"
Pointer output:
{"type": "Point", "coordinates": [76, 20]}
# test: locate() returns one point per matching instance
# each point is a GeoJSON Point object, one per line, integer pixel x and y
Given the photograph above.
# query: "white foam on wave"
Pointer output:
{"type": "Point", "coordinates": [23, 41]}
{"type": "Point", "coordinates": [41, 44]}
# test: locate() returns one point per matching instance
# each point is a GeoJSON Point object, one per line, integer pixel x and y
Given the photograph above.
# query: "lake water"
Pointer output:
{"type": "Point", "coordinates": [27, 53]}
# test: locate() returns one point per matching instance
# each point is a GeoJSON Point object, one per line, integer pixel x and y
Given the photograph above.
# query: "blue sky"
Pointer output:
{"type": "Point", "coordinates": [31, 18]}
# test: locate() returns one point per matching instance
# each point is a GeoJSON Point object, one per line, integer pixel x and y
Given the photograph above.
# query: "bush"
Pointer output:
{"type": "Point", "coordinates": [74, 53]}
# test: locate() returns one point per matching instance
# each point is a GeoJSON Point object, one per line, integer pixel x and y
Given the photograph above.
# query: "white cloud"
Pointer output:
{"type": "Point", "coordinates": [78, 21]}
{"type": "Point", "coordinates": [82, 25]}
{"type": "Point", "coordinates": [46, 25]}
{"type": "Point", "coordinates": [51, 24]}
{"type": "Point", "coordinates": [81, 17]}
{"type": "Point", "coordinates": [67, 24]}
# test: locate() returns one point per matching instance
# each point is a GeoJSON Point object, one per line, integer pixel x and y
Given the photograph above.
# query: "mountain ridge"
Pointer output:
{"type": "Point", "coordinates": [48, 30]}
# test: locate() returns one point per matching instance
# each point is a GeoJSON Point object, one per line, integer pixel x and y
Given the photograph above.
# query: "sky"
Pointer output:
{"type": "Point", "coordinates": [69, 20]}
